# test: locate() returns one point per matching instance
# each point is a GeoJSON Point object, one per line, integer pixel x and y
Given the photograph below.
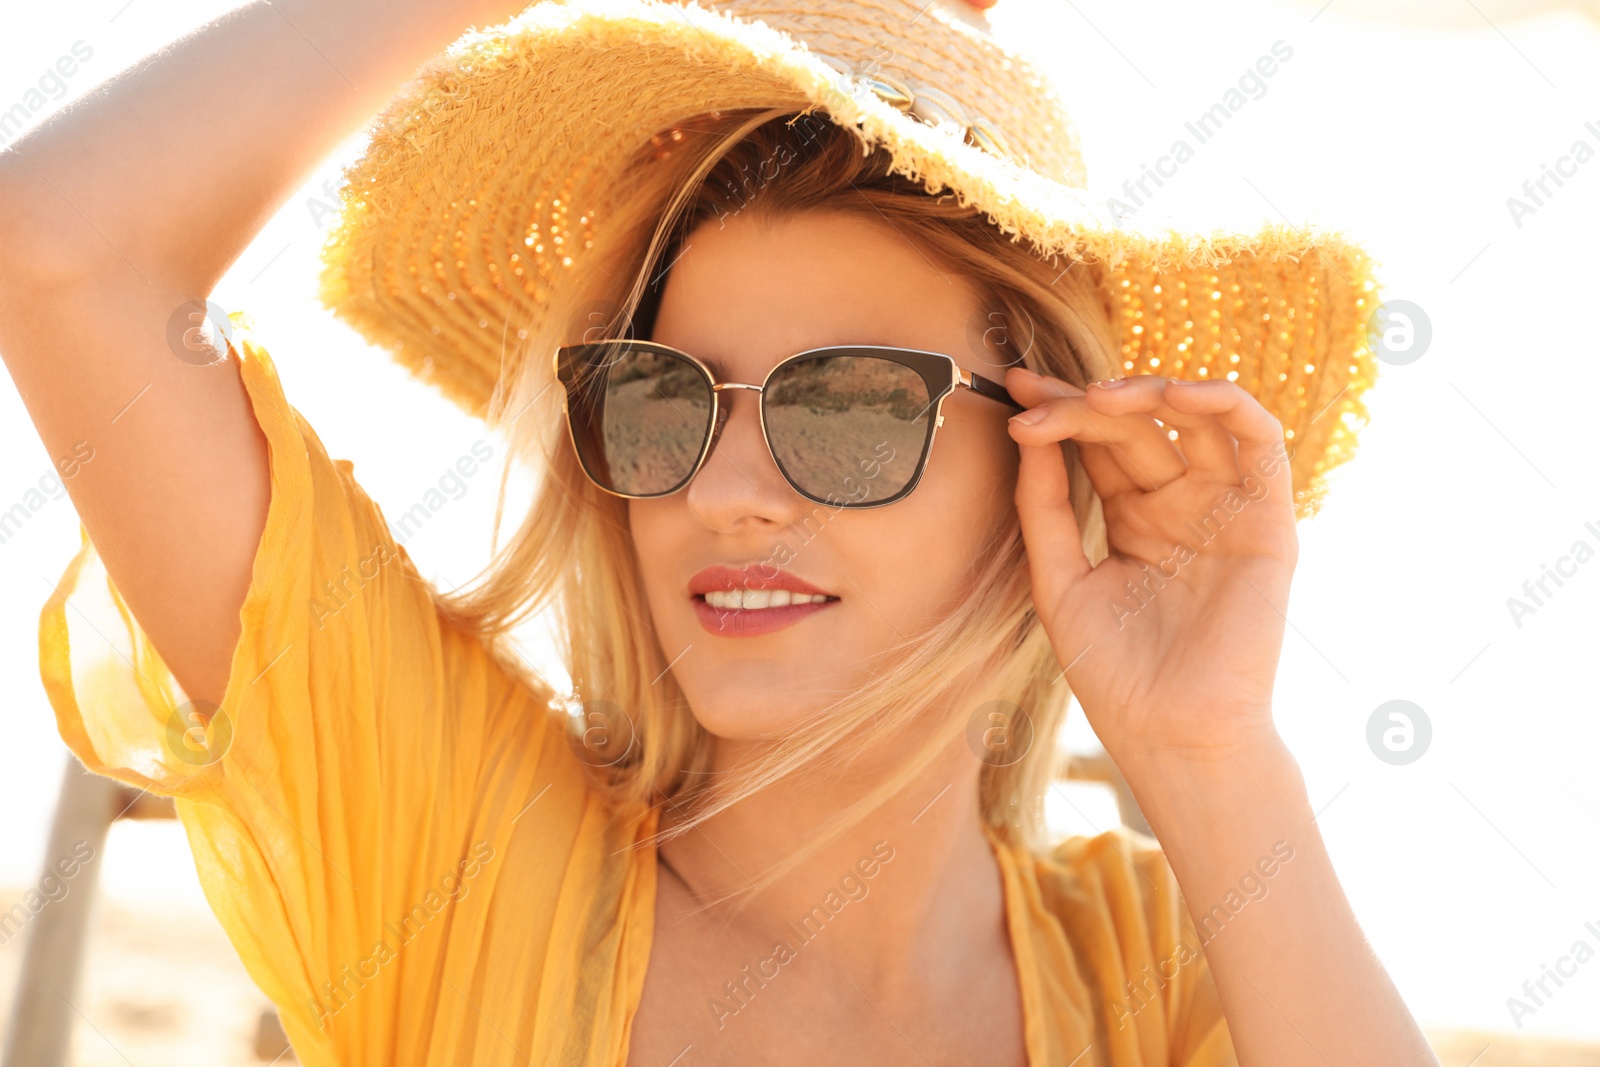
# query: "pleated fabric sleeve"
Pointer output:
{"type": "Point", "coordinates": [361, 778]}
{"type": "Point", "coordinates": [1107, 950]}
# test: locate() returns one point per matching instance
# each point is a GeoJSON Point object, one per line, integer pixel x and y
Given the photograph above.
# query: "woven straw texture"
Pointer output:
{"type": "Point", "coordinates": [488, 175]}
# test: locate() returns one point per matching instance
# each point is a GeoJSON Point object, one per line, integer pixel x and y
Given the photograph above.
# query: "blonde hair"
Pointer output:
{"type": "Point", "coordinates": [573, 551]}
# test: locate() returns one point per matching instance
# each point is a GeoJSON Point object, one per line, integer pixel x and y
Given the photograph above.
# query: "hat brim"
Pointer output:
{"type": "Point", "coordinates": [486, 176]}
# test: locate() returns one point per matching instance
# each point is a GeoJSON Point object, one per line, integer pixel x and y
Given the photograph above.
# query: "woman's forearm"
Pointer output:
{"type": "Point", "coordinates": [126, 206]}
{"type": "Point", "coordinates": [172, 167]}
{"type": "Point", "coordinates": [1298, 981]}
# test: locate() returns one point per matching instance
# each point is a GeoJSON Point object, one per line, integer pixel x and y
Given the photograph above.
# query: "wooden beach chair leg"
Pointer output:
{"type": "Point", "coordinates": [43, 1012]}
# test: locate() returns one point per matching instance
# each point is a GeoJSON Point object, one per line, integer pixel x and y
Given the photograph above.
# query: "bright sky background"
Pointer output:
{"type": "Point", "coordinates": [1469, 868]}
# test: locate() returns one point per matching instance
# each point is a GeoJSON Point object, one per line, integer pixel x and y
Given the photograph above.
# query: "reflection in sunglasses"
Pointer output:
{"type": "Point", "coordinates": [822, 418]}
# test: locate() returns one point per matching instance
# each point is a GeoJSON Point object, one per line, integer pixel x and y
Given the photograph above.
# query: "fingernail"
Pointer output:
{"type": "Point", "coordinates": [1031, 416]}
{"type": "Point", "coordinates": [1110, 383]}
{"type": "Point", "coordinates": [1029, 372]}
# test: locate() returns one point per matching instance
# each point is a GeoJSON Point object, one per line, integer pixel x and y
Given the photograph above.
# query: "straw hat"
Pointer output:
{"type": "Point", "coordinates": [488, 175]}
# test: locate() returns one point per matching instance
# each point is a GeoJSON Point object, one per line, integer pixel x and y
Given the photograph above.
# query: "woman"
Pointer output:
{"type": "Point", "coordinates": [780, 833]}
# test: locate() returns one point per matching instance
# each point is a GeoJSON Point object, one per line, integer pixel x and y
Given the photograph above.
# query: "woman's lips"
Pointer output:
{"type": "Point", "coordinates": [753, 576]}
{"type": "Point", "coordinates": [752, 622]}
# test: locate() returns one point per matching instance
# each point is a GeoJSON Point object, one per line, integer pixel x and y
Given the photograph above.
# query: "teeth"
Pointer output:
{"type": "Point", "coordinates": [748, 599]}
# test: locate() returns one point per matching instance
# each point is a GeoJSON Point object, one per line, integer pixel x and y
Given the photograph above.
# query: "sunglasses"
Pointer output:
{"type": "Point", "coordinates": [848, 426]}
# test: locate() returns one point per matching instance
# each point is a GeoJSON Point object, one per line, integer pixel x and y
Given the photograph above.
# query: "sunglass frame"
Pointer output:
{"type": "Point", "coordinates": [940, 372]}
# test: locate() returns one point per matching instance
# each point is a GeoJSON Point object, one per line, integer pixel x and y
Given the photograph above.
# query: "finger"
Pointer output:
{"type": "Point", "coordinates": [1049, 528]}
{"type": "Point", "coordinates": [1105, 473]}
{"type": "Point", "coordinates": [1262, 455]}
{"type": "Point", "coordinates": [1211, 451]}
{"type": "Point", "coordinates": [1137, 442]}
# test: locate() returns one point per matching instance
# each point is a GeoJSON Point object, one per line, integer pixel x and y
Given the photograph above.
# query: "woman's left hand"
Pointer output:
{"type": "Point", "coordinates": [1170, 643]}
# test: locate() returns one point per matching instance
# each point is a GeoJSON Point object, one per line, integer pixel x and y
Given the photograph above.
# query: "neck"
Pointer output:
{"type": "Point", "coordinates": [904, 897]}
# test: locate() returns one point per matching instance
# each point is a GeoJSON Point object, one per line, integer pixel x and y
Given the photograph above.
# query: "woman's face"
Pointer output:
{"type": "Point", "coordinates": [741, 297]}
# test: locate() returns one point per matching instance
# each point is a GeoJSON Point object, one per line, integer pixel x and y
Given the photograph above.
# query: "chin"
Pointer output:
{"type": "Point", "coordinates": [734, 710]}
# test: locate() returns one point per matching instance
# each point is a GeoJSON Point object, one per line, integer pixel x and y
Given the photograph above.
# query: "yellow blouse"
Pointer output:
{"type": "Point", "coordinates": [390, 826]}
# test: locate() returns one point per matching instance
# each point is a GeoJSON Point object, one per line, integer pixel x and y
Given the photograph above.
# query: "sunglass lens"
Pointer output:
{"type": "Point", "coordinates": [639, 417]}
{"type": "Point", "coordinates": [848, 429]}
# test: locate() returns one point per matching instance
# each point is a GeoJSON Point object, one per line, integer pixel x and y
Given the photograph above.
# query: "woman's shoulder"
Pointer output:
{"type": "Point", "coordinates": [1119, 852]}
{"type": "Point", "coordinates": [1113, 913]}
{"type": "Point", "coordinates": [1118, 877]}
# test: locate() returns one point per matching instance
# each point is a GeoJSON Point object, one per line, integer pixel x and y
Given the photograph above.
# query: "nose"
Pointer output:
{"type": "Point", "coordinates": [740, 484]}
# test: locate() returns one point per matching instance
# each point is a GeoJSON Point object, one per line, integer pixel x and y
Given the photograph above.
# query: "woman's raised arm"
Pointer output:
{"type": "Point", "coordinates": [131, 203]}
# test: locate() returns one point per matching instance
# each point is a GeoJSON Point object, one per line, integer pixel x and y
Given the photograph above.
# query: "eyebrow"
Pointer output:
{"type": "Point", "coordinates": [718, 371]}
